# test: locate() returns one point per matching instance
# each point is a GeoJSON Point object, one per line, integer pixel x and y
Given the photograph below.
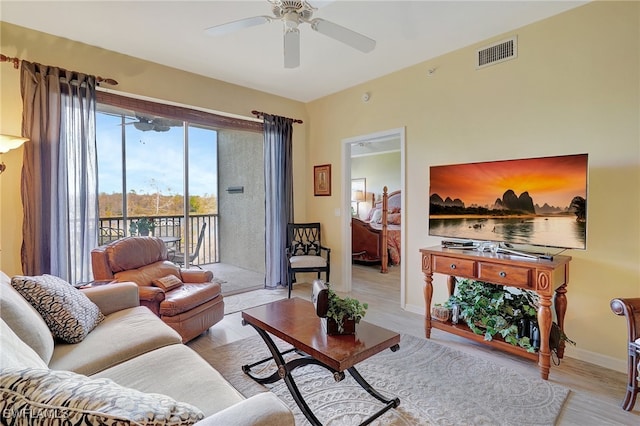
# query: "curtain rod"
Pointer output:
{"type": "Point", "coordinates": [16, 64]}
{"type": "Point", "coordinates": [261, 114]}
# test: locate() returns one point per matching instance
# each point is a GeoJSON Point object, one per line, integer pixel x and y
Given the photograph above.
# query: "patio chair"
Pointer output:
{"type": "Point", "coordinates": [108, 234]}
{"type": "Point", "coordinates": [304, 251]}
{"type": "Point", "coordinates": [179, 257]}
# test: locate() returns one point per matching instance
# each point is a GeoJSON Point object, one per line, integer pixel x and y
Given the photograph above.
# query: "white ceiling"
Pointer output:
{"type": "Point", "coordinates": [172, 33]}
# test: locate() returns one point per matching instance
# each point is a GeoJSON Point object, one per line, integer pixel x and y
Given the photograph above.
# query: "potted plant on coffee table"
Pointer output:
{"type": "Point", "coordinates": [344, 313]}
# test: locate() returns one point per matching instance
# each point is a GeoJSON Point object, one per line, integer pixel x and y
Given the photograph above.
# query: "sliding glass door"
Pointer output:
{"type": "Point", "coordinates": [147, 188]}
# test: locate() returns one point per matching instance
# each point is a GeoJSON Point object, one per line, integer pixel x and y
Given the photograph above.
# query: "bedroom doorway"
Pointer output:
{"type": "Point", "coordinates": [381, 146]}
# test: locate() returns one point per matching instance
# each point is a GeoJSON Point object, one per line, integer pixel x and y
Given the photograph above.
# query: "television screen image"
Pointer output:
{"type": "Point", "coordinates": [532, 201]}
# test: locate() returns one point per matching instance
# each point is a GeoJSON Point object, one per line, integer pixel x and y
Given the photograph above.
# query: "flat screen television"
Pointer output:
{"type": "Point", "coordinates": [532, 201]}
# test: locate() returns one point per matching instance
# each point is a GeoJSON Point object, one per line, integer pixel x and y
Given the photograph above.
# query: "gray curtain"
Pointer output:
{"type": "Point", "coordinates": [59, 175]}
{"type": "Point", "coordinates": [278, 170]}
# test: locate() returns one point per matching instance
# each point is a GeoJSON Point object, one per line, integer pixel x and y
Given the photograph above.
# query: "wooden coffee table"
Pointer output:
{"type": "Point", "coordinates": [295, 321]}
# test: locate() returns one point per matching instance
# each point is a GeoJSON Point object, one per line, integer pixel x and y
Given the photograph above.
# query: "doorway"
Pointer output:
{"type": "Point", "coordinates": [370, 144]}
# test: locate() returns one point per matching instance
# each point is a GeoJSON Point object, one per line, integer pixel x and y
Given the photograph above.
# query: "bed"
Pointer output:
{"type": "Point", "coordinates": [377, 239]}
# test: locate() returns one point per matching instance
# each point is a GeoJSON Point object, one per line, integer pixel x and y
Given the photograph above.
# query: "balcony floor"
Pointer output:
{"type": "Point", "coordinates": [235, 279]}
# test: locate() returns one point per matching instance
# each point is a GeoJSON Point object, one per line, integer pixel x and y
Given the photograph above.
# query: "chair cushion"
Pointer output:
{"type": "Point", "coordinates": [24, 320]}
{"type": "Point", "coordinates": [307, 262]}
{"type": "Point", "coordinates": [68, 312]}
{"type": "Point", "coordinates": [130, 332]}
{"type": "Point", "coordinates": [188, 297]}
{"type": "Point", "coordinates": [144, 275]}
{"type": "Point", "coordinates": [168, 282]}
{"type": "Point", "coordinates": [82, 400]}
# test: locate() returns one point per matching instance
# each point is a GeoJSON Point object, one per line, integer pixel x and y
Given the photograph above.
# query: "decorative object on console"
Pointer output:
{"type": "Point", "coordinates": [441, 313]}
{"type": "Point", "coordinates": [322, 180]}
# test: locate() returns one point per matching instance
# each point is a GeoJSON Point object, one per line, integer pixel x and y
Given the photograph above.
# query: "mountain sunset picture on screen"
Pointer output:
{"type": "Point", "coordinates": [532, 201]}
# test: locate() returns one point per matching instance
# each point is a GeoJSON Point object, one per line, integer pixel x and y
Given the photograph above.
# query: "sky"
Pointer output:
{"type": "Point", "coordinates": [551, 180]}
{"type": "Point", "coordinates": [155, 160]}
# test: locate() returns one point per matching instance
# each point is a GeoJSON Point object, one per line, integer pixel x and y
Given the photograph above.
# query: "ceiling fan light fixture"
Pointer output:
{"type": "Point", "coordinates": [290, 21]}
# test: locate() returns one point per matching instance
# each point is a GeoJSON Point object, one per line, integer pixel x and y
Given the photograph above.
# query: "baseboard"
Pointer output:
{"type": "Point", "coordinates": [600, 360]}
{"type": "Point", "coordinates": [596, 358]}
{"type": "Point", "coordinates": [414, 309]}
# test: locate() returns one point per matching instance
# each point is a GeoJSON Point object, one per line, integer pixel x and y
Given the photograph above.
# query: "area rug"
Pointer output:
{"type": "Point", "coordinates": [436, 385]}
{"type": "Point", "coordinates": [249, 299]}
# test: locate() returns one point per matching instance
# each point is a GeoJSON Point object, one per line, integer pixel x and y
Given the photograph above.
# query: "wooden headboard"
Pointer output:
{"type": "Point", "coordinates": [394, 201]}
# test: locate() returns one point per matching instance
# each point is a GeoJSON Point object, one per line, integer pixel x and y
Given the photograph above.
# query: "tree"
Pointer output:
{"type": "Point", "coordinates": [579, 207]}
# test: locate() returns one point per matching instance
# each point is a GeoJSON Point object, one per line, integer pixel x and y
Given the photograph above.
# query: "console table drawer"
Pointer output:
{"type": "Point", "coordinates": [454, 266]}
{"type": "Point", "coordinates": [503, 274]}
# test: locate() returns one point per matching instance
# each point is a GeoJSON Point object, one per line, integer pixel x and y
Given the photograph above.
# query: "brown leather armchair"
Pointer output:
{"type": "Point", "coordinates": [190, 309]}
{"type": "Point", "coordinates": [630, 308]}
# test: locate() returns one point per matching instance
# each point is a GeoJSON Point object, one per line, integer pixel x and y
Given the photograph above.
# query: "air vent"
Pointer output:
{"type": "Point", "coordinates": [495, 53]}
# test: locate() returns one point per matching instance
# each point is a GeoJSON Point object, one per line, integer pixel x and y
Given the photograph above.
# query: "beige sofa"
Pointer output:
{"type": "Point", "coordinates": [132, 350]}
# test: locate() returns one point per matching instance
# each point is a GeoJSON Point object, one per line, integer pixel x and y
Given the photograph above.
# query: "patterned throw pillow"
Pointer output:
{"type": "Point", "coordinates": [69, 313]}
{"type": "Point", "coordinates": [50, 397]}
{"type": "Point", "coordinates": [167, 283]}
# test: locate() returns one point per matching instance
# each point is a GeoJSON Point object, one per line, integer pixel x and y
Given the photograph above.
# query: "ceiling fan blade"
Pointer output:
{"type": "Point", "coordinates": [345, 35]}
{"type": "Point", "coordinates": [291, 48]}
{"type": "Point", "coordinates": [319, 4]}
{"type": "Point", "coordinates": [241, 24]}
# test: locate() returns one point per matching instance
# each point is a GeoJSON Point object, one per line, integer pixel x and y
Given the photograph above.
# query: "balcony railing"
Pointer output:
{"type": "Point", "coordinates": [115, 227]}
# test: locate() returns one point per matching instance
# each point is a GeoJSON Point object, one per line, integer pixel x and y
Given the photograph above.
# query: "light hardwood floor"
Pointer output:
{"type": "Point", "coordinates": [596, 392]}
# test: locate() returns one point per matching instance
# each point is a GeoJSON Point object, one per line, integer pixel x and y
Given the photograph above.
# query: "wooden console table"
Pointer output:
{"type": "Point", "coordinates": [546, 277]}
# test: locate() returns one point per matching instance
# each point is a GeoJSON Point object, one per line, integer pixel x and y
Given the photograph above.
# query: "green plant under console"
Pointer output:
{"type": "Point", "coordinates": [491, 310]}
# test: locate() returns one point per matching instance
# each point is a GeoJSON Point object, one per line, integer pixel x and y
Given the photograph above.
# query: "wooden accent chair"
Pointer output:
{"type": "Point", "coordinates": [630, 308]}
{"type": "Point", "coordinates": [304, 251]}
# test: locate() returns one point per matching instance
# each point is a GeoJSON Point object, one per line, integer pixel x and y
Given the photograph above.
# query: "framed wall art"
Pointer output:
{"type": "Point", "coordinates": [322, 180]}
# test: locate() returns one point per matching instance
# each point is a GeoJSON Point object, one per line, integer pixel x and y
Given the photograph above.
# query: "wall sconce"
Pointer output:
{"type": "Point", "coordinates": [7, 143]}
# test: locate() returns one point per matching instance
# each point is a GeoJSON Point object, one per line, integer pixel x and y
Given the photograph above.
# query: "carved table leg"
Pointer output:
{"type": "Point", "coordinates": [561, 309]}
{"type": "Point", "coordinates": [428, 294]}
{"type": "Point", "coordinates": [544, 325]}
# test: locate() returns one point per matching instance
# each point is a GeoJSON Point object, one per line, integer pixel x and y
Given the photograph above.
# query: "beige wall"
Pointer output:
{"type": "Point", "coordinates": [574, 88]}
{"type": "Point", "coordinates": [379, 171]}
{"type": "Point", "coordinates": [136, 77]}
{"type": "Point", "coordinates": [241, 216]}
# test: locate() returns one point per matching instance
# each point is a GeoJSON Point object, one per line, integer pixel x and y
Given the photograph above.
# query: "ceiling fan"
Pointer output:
{"type": "Point", "coordinates": [292, 13]}
{"type": "Point", "coordinates": [156, 124]}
